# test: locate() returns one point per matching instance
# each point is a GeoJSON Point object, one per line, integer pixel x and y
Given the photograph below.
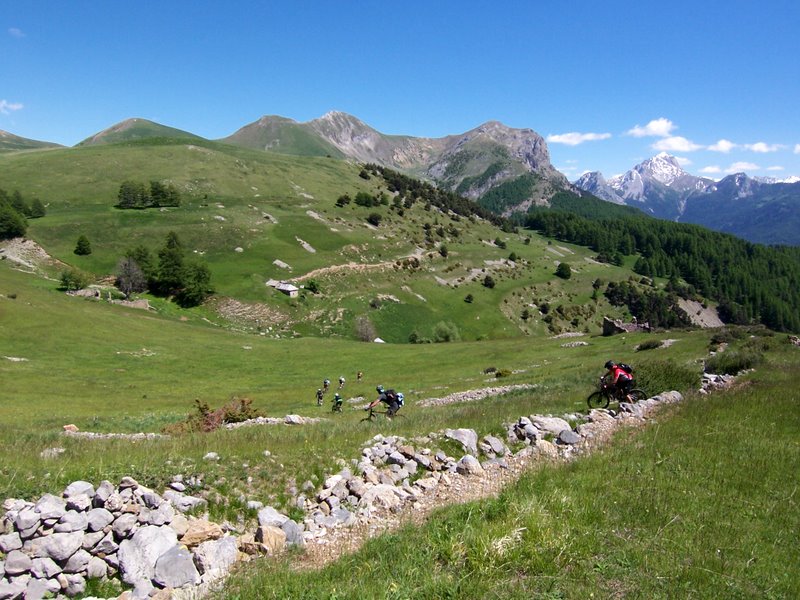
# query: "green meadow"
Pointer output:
{"type": "Point", "coordinates": [700, 503]}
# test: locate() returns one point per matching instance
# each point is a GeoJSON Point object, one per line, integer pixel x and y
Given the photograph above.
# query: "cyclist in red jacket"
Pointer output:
{"type": "Point", "coordinates": [619, 377]}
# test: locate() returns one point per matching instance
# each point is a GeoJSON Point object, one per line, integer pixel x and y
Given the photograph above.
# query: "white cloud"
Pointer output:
{"type": "Point", "coordinates": [683, 161]}
{"type": "Point", "coordinates": [657, 127]}
{"type": "Point", "coordinates": [574, 138]}
{"type": "Point", "coordinates": [676, 144]}
{"type": "Point", "coordinates": [797, 148]}
{"type": "Point", "coordinates": [762, 147]}
{"type": "Point", "coordinates": [15, 32]}
{"type": "Point", "coordinates": [712, 169]}
{"type": "Point", "coordinates": [723, 146]}
{"type": "Point", "coordinates": [7, 107]}
{"type": "Point", "coordinates": [775, 168]}
{"type": "Point", "coordinates": [740, 166]}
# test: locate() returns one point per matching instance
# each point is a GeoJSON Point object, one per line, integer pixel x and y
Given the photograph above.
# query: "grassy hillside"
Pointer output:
{"type": "Point", "coordinates": [702, 503]}
{"type": "Point", "coordinates": [131, 130]}
{"type": "Point", "coordinates": [108, 368]}
{"type": "Point", "coordinates": [242, 210]}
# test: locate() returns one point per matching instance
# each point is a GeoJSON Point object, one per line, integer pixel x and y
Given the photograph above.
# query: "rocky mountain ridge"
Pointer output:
{"type": "Point", "coordinates": [471, 163]}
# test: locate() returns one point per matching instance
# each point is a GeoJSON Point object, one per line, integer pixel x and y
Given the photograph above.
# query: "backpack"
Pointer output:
{"type": "Point", "coordinates": [400, 398]}
{"type": "Point", "coordinates": [625, 367]}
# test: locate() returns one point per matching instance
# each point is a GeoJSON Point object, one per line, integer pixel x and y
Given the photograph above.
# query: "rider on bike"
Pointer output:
{"type": "Point", "coordinates": [389, 397]}
{"type": "Point", "coordinates": [619, 378]}
{"type": "Point", "coordinates": [337, 403]}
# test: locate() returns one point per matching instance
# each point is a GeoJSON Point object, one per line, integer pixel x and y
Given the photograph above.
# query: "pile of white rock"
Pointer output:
{"type": "Point", "coordinates": [54, 545]}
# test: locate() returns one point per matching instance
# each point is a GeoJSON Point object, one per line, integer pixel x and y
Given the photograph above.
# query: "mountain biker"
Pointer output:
{"type": "Point", "coordinates": [320, 393]}
{"type": "Point", "coordinates": [390, 398]}
{"type": "Point", "coordinates": [337, 402]}
{"type": "Point", "coordinates": [326, 384]}
{"type": "Point", "coordinates": [619, 378]}
{"type": "Point", "coordinates": [341, 381]}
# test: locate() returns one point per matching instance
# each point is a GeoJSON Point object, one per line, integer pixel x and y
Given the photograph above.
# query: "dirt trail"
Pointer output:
{"type": "Point", "coordinates": [354, 266]}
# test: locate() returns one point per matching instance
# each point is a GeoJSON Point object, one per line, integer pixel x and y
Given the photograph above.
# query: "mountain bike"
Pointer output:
{"type": "Point", "coordinates": [607, 392]}
{"type": "Point", "coordinates": [373, 414]}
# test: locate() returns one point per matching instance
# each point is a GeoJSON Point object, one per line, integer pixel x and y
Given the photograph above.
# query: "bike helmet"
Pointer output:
{"type": "Point", "coordinates": [379, 389]}
{"type": "Point", "coordinates": [337, 397]}
{"type": "Point", "coordinates": [609, 364]}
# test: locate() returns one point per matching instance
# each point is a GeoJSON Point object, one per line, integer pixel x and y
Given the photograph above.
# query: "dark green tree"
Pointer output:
{"type": "Point", "coordinates": [563, 270]}
{"type": "Point", "coordinates": [37, 209]}
{"type": "Point", "coordinates": [83, 247]}
{"type": "Point", "coordinates": [170, 277]}
{"type": "Point", "coordinates": [12, 223]}
{"type": "Point", "coordinates": [196, 285]}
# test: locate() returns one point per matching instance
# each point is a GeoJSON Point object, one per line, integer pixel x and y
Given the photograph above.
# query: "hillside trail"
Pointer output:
{"type": "Point", "coordinates": [356, 267]}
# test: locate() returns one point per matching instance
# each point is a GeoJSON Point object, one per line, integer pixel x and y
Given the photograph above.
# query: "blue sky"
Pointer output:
{"type": "Point", "coordinates": [607, 83]}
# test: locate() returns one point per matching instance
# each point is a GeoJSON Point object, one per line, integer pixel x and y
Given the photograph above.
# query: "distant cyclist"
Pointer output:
{"type": "Point", "coordinates": [337, 403]}
{"type": "Point", "coordinates": [320, 394]}
{"type": "Point", "coordinates": [341, 381]}
{"type": "Point", "coordinates": [326, 384]}
{"type": "Point", "coordinates": [619, 375]}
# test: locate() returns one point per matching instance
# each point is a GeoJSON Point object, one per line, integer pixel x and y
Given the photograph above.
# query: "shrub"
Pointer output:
{"type": "Point", "coordinates": [733, 361]}
{"type": "Point", "coordinates": [659, 376]}
{"type": "Point", "coordinates": [73, 279]}
{"type": "Point", "coordinates": [502, 373]}
{"type": "Point", "coordinates": [374, 219]}
{"type": "Point", "coordinates": [488, 282]}
{"type": "Point", "coordinates": [365, 330]}
{"type": "Point", "coordinates": [564, 271]}
{"type": "Point", "coordinates": [312, 286]}
{"type": "Point", "coordinates": [649, 345]}
{"type": "Point", "coordinates": [469, 298]}
{"type": "Point", "coordinates": [206, 420]}
{"type": "Point", "coordinates": [445, 331]}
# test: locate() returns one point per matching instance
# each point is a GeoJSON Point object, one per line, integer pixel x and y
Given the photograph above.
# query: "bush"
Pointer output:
{"type": "Point", "coordinates": [374, 219]}
{"type": "Point", "coordinates": [206, 420]}
{"type": "Point", "coordinates": [649, 345]}
{"type": "Point", "coordinates": [469, 298]}
{"type": "Point", "coordinates": [502, 373]}
{"type": "Point", "coordinates": [564, 271]}
{"type": "Point", "coordinates": [445, 331]}
{"type": "Point", "coordinates": [73, 279]}
{"type": "Point", "coordinates": [733, 361]}
{"type": "Point", "coordinates": [488, 282]}
{"type": "Point", "coordinates": [659, 376]}
{"type": "Point", "coordinates": [365, 330]}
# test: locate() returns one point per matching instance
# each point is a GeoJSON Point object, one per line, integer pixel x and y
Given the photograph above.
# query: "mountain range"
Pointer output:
{"type": "Point", "coordinates": [505, 169]}
{"type": "Point", "coordinates": [760, 210]}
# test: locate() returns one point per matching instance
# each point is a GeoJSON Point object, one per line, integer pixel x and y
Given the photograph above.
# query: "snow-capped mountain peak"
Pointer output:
{"type": "Point", "coordinates": [662, 167]}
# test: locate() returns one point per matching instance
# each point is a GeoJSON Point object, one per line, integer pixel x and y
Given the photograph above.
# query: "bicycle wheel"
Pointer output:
{"type": "Point", "coordinates": [637, 394]}
{"type": "Point", "coordinates": [597, 400]}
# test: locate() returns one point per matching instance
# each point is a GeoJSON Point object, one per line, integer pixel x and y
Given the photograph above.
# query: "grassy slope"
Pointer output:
{"type": "Point", "coordinates": [108, 368]}
{"type": "Point", "coordinates": [702, 503]}
{"type": "Point", "coordinates": [240, 185]}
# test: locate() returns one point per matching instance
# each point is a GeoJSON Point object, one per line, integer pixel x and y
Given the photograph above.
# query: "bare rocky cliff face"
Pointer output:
{"type": "Point", "coordinates": [470, 164]}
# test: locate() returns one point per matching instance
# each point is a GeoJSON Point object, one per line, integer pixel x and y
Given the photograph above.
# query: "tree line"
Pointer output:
{"type": "Point", "coordinates": [751, 282]}
{"type": "Point", "coordinates": [410, 190]}
{"type": "Point", "coordinates": [134, 194]}
{"type": "Point", "coordinates": [15, 211]}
